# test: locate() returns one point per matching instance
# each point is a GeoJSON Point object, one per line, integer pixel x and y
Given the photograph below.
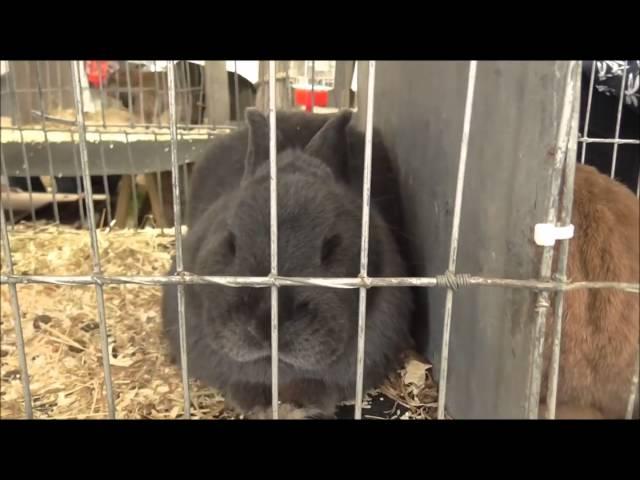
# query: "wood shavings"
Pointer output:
{"type": "Point", "coordinates": [64, 350]}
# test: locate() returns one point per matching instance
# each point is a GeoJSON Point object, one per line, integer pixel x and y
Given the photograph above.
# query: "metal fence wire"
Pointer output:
{"type": "Point", "coordinates": [546, 286]}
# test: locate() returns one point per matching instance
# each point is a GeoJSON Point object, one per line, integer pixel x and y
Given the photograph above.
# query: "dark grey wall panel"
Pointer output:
{"type": "Point", "coordinates": [119, 158]}
{"type": "Point", "coordinates": [420, 106]}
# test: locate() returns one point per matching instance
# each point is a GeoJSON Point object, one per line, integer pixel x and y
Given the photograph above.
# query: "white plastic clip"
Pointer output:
{"type": "Point", "coordinates": [546, 234]}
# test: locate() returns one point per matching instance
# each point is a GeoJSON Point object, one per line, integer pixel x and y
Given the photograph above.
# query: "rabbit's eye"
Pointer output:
{"type": "Point", "coordinates": [229, 244]}
{"type": "Point", "coordinates": [329, 247]}
{"type": "Point", "coordinates": [302, 308]}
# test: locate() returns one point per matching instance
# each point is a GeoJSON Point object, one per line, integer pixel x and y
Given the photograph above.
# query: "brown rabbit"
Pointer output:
{"type": "Point", "coordinates": [600, 331]}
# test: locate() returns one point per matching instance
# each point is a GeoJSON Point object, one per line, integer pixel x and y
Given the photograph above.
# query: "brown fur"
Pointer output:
{"type": "Point", "coordinates": [600, 332]}
{"type": "Point", "coordinates": [573, 412]}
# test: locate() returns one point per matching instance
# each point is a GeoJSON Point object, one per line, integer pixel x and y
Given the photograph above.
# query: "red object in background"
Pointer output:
{"type": "Point", "coordinates": [303, 97]}
{"type": "Point", "coordinates": [97, 71]}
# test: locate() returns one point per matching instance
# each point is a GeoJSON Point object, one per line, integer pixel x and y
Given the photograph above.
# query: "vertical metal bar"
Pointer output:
{"type": "Point", "coordinates": [134, 186]}
{"type": "Point", "coordinates": [455, 233]}
{"type": "Point", "coordinates": [59, 89]}
{"type": "Point", "coordinates": [287, 82]}
{"type": "Point", "coordinates": [177, 221]}
{"type": "Point", "coordinates": [588, 114]}
{"type": "Point", "coordinates": [78, 169]}
{"type": "Point", "coordinates": [95, 251]}
{"type": "Point", "coordinates": [185, 180]}
{"type": "Point", "coordinates": [264, 97]}
{"type": "Point", "coordinates": [184, 93]}
{"type": "Point", "coordinates": [17, 321]}
{"type": "Point", "coordinates": [165, 89]}
{"type": "Point", "coordinates": [22, 145]}
{"type": "Point", "coordinates": [344, 98]}
{"type": "Point", "coordinates": [105, 181]}
{"type": "Point", "coordinates": [141, 89]}
{"type": "Point", "coordinates": [54, 187]}
{"type": "Point", "coordinates": [129, 95]}
{"type": "Point", "coordinates": [6, 173]}
{"type": "Point", "coordinates": [563, 254]}
{"type": "Point", "coordinates": [542, 303]}
{"type": "Point", "coordinates": [107, 190]}
{"type": "Point", "coordinates": [623, 83]}
{"type": "Point", "coordinates": [188, 95]}
{"type": "Point", "coordinates": [364, 241]}
{"type": "Point", "coordinates": [632, 393]}
{"type": "Point", "coordinates": [274, 236]}
{"type": "Point", "coordinates": [313, 84]}
{"type": "Point", "coordinates": [186, 108]}
{"type": "Point", "coordinates": [79, 186]}
{"type": "Point", "coordinates": [160, 193]}
{"type": "Point", "coordinates": [103, 102]}
{"type": "Point", "coordinates": [236, 89]}
{"type": "Point", "coordinates": [157, 95]}
{"type": "Point", "coordinates": [181, 104]}
{"type": "Point", "coordinates": [201, 98]}
{"type": "Point", "coordinates": [47, 65]}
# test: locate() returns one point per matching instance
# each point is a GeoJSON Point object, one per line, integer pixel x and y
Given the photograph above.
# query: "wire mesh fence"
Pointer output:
{"type": "Point", "coordinates": [145, 96]}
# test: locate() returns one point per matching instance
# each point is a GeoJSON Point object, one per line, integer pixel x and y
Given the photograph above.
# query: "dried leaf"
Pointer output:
{"type": "Point", "coordinates": [415, 373]}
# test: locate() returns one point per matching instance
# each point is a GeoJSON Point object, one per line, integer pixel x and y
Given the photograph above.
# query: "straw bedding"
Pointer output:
{"type": "Point", "coordinates": [63, 346]}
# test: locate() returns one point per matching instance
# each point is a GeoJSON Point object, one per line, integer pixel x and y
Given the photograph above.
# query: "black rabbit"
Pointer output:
{"type": "Point", "coordinates": [319, 233]}
{"type": "Point", "coordinates": [221, 167]}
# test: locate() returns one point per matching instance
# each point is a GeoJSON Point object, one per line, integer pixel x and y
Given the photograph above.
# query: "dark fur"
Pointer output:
{"type": "Point", "coordinates": [600, 335]}
{"type": "Point", "coordinates": [319, 230]}
{"type": "Point", "coordinates": [221, 167]}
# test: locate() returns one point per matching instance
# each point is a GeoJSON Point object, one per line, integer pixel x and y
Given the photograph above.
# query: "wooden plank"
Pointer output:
{"type": "Point", "coordinates": [283, 87]}
{"type": "Point", "coordinates": [340, 96]}
{"type": "Point", "coordinates": [154, 199]}
{"type": "Point", "coordinates": [124, 200]}
{"type": "Point", "coordinates": [217, 92]}
{"type": "Point", "coordinates": [151, 152]}
{"type": "Point", "coordinates": [22, 200]}
{"type": "Point", "coordinates": [419, 107]}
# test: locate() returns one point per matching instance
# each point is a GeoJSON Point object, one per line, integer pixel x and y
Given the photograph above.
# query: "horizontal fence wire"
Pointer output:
{"type": "Point", "coordinates": [449, 280]}
{"type": "Point", "coordinates": [617, 141]}
{"type": "Point", "coordinates": [115, 128]}
{"type": "Point", "coordinates": [459, 280]}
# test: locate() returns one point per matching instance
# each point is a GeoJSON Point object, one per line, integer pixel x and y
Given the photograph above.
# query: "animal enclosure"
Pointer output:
{"type": "Point", "coordinates": [81, 307]}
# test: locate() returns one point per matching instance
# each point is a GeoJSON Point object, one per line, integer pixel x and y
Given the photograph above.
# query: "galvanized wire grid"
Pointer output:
{"type": "Point", "coordinates": [562, 178]}
{"type": "Point", "coordinates": [44, 93]}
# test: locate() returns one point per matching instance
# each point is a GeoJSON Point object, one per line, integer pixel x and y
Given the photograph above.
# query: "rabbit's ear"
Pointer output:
{"type": "Point", "coordinates": [330, 143]}
{"type": "Point", "coordinates": [258, 146]}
